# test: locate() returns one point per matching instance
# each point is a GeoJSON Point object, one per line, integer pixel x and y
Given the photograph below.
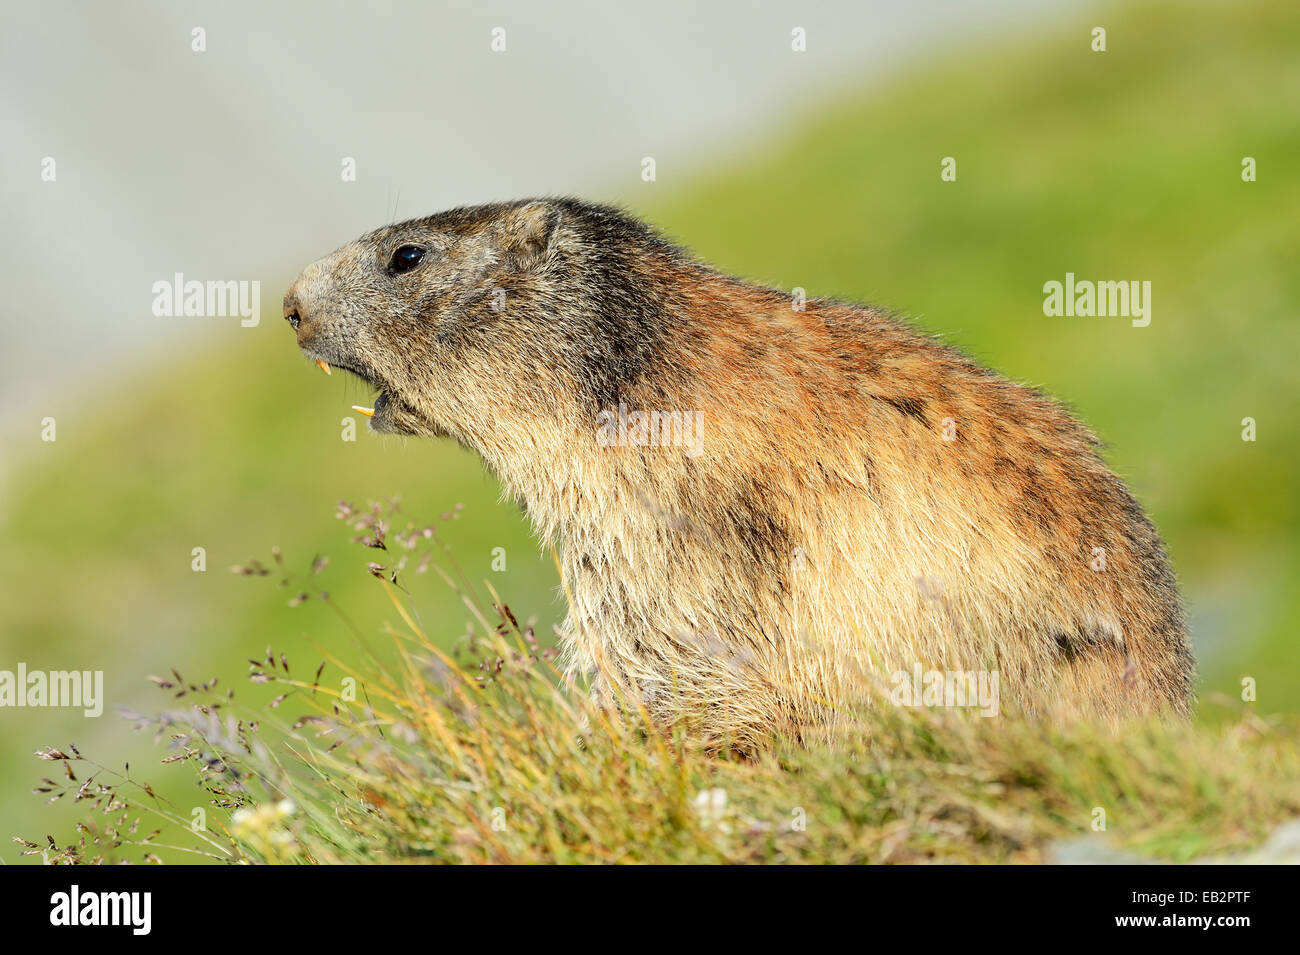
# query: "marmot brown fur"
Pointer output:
{"type": "Point", "coordinates": [764, 506]}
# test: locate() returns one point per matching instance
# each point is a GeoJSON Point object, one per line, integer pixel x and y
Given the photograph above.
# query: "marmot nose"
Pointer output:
{"type": "Point", "coordinates": [308, 303]}
{"type": "Point", "coordinates": [291, 309]}
{"type": "Point", "coordinates": [294, 314]}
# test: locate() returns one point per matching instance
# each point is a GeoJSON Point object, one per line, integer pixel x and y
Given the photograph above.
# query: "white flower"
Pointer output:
{"type": "Point", "coordinates": [711, 804]}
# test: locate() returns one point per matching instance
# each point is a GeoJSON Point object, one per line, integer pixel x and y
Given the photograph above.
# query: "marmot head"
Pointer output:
{"type": "Point", "coordinates": [509, 312]}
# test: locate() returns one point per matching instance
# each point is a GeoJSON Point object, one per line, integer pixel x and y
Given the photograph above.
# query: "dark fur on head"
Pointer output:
{"type": "Point", "coordinates": [547, 293]}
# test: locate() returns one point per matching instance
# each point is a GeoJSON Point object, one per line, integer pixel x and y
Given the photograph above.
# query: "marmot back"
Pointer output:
{"type": "Point", "coordinates": [767, 510]}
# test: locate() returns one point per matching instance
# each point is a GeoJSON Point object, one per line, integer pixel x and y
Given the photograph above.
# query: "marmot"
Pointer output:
{"type": "Point", "coordinates": [764, 506]}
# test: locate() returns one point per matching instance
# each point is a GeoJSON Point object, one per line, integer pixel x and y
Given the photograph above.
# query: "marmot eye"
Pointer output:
{"type": "Point", "coordinates": [406, 258]}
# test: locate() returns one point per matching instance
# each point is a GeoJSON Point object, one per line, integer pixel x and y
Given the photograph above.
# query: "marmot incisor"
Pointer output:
{"type": "Point", "coordinates": [857, 499]}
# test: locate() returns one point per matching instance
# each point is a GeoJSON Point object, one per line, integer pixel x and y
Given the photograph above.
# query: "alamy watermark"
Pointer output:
{"type": "Point", "coordinates": [668, 429]}
{"type": "Point", "coordinates": [965, 689]}
{"type": "Point", "coordinates": [83, 688]}
{"type": "Point", "coordinates": [1103, 299]}
{"type": "Point", "coordinates": [131, 910]}
{"type": "Point", "coordinates": [180, 298]}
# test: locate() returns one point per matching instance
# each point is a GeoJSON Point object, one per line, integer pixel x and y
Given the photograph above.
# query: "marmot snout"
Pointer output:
{"type": "Point", "coordinates": [764, 506]}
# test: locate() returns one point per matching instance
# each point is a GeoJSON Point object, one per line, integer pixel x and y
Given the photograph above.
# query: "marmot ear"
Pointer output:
{"type": "Point", "coordinates": [526, 233]}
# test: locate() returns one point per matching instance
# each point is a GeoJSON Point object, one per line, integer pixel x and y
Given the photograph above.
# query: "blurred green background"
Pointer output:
{"type": "Point", "coordinates": [1117, 165]}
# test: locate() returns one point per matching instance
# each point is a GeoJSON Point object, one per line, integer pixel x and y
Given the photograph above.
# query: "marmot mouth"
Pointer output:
{"type": "Point", "coordinates": [381, 402]}
{"type": "Point", "coordinates": [381, 399]}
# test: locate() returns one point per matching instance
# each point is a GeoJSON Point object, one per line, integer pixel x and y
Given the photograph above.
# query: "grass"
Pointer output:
{"type": "Point", "coordinates": [481, 755]}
